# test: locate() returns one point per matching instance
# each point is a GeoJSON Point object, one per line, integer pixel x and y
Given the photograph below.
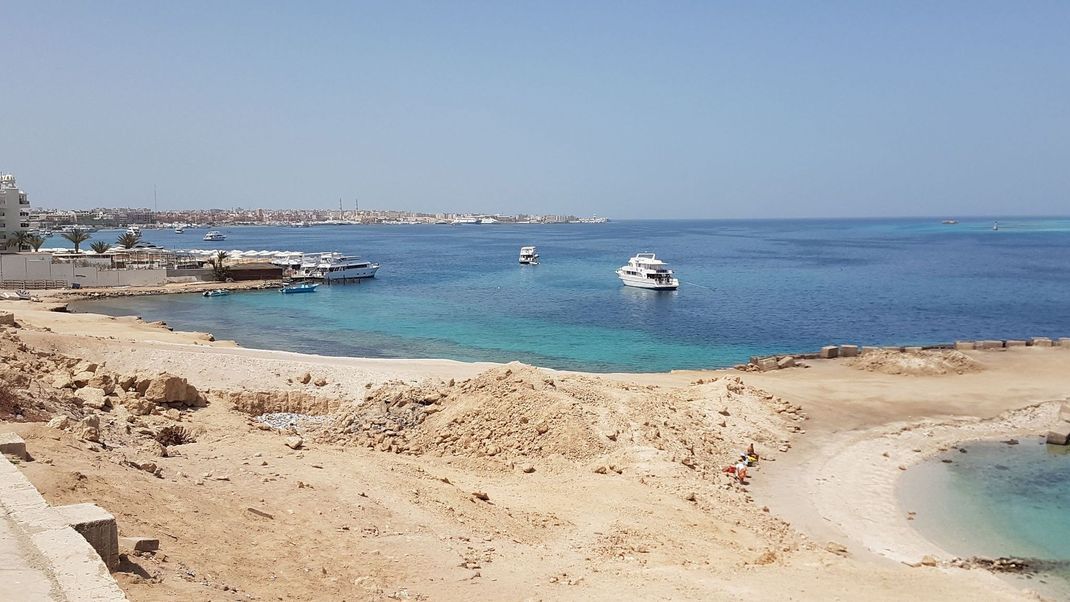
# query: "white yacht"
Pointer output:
{"type": "Point", "coordinates": [215, 235]}
{"type": "Point", "coordinates": [647, 271]}
{"type": "Point", "coordinates": [135, 230]}
{"type": "Point", "coordinates": [529, 256]}
{"type": "Point", "coordinates": [179, 229]}
{"type": "Point", "coordinates": [335, 266]}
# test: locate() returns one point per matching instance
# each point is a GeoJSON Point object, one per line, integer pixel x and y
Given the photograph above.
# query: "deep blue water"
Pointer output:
{"type": "Point", "coordinates": [997, 500]}
{"type": "Point", "coordinates": [748, 287]}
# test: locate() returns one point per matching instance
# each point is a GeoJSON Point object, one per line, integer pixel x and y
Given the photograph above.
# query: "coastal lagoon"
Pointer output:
{"type": "Point", "coordinates": [997, 500]}
{"type": "Point", "coordinates": [748, 287]}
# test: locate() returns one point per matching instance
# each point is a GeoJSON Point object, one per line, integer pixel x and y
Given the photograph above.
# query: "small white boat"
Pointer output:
{"type": "Point", "coordinates": [995, 226]}
{"type": "Point", "coordinates": [645, 270]}
{"type": "Point", "coordinates": [19, 295]}
{"type": "Point", "coordinates": [219, 292]}
{"type": "Point", "coordinates": [180, 229]}
{"type": "Point", "coordinates": [215, 235]}
{"type": "Point", "coordinates": [529, 256]}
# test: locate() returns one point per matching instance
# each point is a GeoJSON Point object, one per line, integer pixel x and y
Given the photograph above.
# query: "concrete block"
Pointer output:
{"type": "Point", "coordinates": [829, 352]}
{"type": "Point", "coordinates": [1059, 434]}
{"type": "Point", "coordinates": [139, 544]}
{"type": "Point", "coordinates": [912, 349]}
{"type": "Point", "coordinates": [1015, 343]}
{"type": "Point", "coordinates": [13, 445]}
{"type": "Point", "coordinates": [786, 362]}
{"type": "Point", "coordinates": [7, 318]}
{"type": "Point", "coordinates": [97, 526]}
{"type": "Point", "coordinates": [965, 345]}
{"type": "Point", "coordinates": [990, 344]}
{"type": "Point", "coordinates": [892, 348]}
{"type": "Point", "coordinates": [848, 350]}
{"type": "Point", "coordinates": [1041, 342]}
{"type": "Point", "coordinates": [767, 363]}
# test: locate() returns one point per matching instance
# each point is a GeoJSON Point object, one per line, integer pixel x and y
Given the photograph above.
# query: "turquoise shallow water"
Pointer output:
{"type": "Point", "coordinates": [997, 500]}
{"type": "Point", "coordinates": [749, 287]}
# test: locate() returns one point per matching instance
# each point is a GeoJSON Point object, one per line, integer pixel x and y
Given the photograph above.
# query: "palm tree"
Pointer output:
{"type": "Point", "coordinates": [100, 247]}
{"type": "Point", "coordinates": [19, 240]}
{"type": "Point", "coordinates": [219, 268]}
{"type": "Point", "coordinates": [77, 236]}
{"type": "Point", "coordinates": [35, 241]}
{"type": "Point", "coordinates": [128, 239]}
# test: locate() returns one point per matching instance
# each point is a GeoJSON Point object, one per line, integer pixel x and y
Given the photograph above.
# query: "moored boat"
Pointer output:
{"type": "Point", "coordinates": [645, 270]}
{"type": "Point", "coordinates": [215, 235]}
{"type": "Point", "coordinates": [219, 292]}
{"type": "Point", "coordinates": [529, 256]}
{"type": "Point", "coordinates": [299, 287]}
{"type": "Point", "coordinates": [336, 267]}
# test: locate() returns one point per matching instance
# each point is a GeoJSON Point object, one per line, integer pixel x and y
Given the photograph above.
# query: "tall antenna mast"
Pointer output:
{"type": "Point", "coordinates": [155, 203]}
{"type": "Point", "coordinates": [356, 204]}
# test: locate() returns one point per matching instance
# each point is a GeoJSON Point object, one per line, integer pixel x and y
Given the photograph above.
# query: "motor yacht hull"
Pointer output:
{"type": "Point", "coordinates": [648, 283]}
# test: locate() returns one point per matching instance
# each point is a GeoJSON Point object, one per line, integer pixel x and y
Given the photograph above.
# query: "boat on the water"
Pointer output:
{"type": "Point", "coordinates": [335, 267]}
{"type": "Point", "coordinates": [299, 287]}
{"type": "Point", "coordinates": [215, 235]}
{"type": "Point", "coordinates": [180, 229]}
{"type": "Point", "coordinates": [995, 226]}
{"type": "Point", "coordinates": [529, 256]}
{"type": "Point", "coordinates": [645, 270]}
{"type": "Point", "coordinates": [950, 221]}
{"type": "Point", "coordinates": [219, 292]}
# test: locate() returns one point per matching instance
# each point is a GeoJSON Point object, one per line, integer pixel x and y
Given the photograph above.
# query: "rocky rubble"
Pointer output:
{"type": "Point", "coordinates": [518, 411]}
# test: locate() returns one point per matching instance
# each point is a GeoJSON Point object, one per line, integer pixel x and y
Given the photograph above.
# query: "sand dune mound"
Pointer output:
{"type": "Point", "coordinates": [518, 411]}
{"type": "Point", "coordinates": [917, 363]}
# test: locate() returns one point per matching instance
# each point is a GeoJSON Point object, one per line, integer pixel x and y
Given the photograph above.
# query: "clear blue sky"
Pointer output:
{"type": "Point", "coordinates": [625, 109]}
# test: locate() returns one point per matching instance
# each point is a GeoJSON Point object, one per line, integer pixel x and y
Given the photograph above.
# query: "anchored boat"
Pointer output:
{"type": "Point", "coordinates": [299, 287]}
{"type": "Point", "coordinates": [529, 256]}
{"type": "Point", "coordinates": [645, 270]}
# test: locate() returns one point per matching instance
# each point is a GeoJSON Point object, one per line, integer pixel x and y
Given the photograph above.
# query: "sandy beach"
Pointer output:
{"type": "Point", "coordinates": [443, 480]}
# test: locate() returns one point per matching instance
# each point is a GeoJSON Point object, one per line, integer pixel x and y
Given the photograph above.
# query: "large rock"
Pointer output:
{"type": "Point", "coordinates": [82, 379]}
{"type": "Point", "coordinates": [138, 406]}
{"type": "Point", "coordinates": [168, 388]}
{"type": "Point", "coordinates": [92, 397]}
{"type": "Point", "coordinates": [1059, 434]}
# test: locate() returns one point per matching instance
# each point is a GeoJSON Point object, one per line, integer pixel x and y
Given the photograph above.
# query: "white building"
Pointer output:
{"type": "Point", "coordinates": [14, 212]}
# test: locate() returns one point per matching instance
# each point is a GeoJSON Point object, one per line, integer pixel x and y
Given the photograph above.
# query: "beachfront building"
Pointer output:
{"type": "Point", "coordinates": [14, 213]}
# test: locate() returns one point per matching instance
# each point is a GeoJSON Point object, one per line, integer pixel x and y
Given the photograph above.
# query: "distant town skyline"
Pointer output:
{"type": "Point", "coordinates": [634, 110]}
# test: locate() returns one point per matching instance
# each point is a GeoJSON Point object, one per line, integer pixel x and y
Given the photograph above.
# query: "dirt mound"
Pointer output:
{"type": "Point", "coordinates": [916, 363]}
{"type": "Point", "coordinates": [518, 411]}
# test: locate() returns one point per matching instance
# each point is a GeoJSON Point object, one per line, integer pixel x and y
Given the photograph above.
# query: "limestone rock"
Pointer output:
{"type": "Point", "coordinates": [305, 378]}
{"type": "Point", "coordinates": [138, 406]}
{"type": "Point", "coordinates": [93, 397]}
{"type": "Point", "coordinates": [294, 442]}
{"type": "Point", "coordinates": [82, 379]}
{"type": "Point", "coordinates": [59, 422]}
{"type": "Point", "coordinates": [320, 382]}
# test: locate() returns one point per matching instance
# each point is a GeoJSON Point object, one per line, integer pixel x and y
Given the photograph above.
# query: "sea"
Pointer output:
{"type": "Point", "coordinates": [998, 500]}
{"type": "Point", "coordinates": [748, 287]}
